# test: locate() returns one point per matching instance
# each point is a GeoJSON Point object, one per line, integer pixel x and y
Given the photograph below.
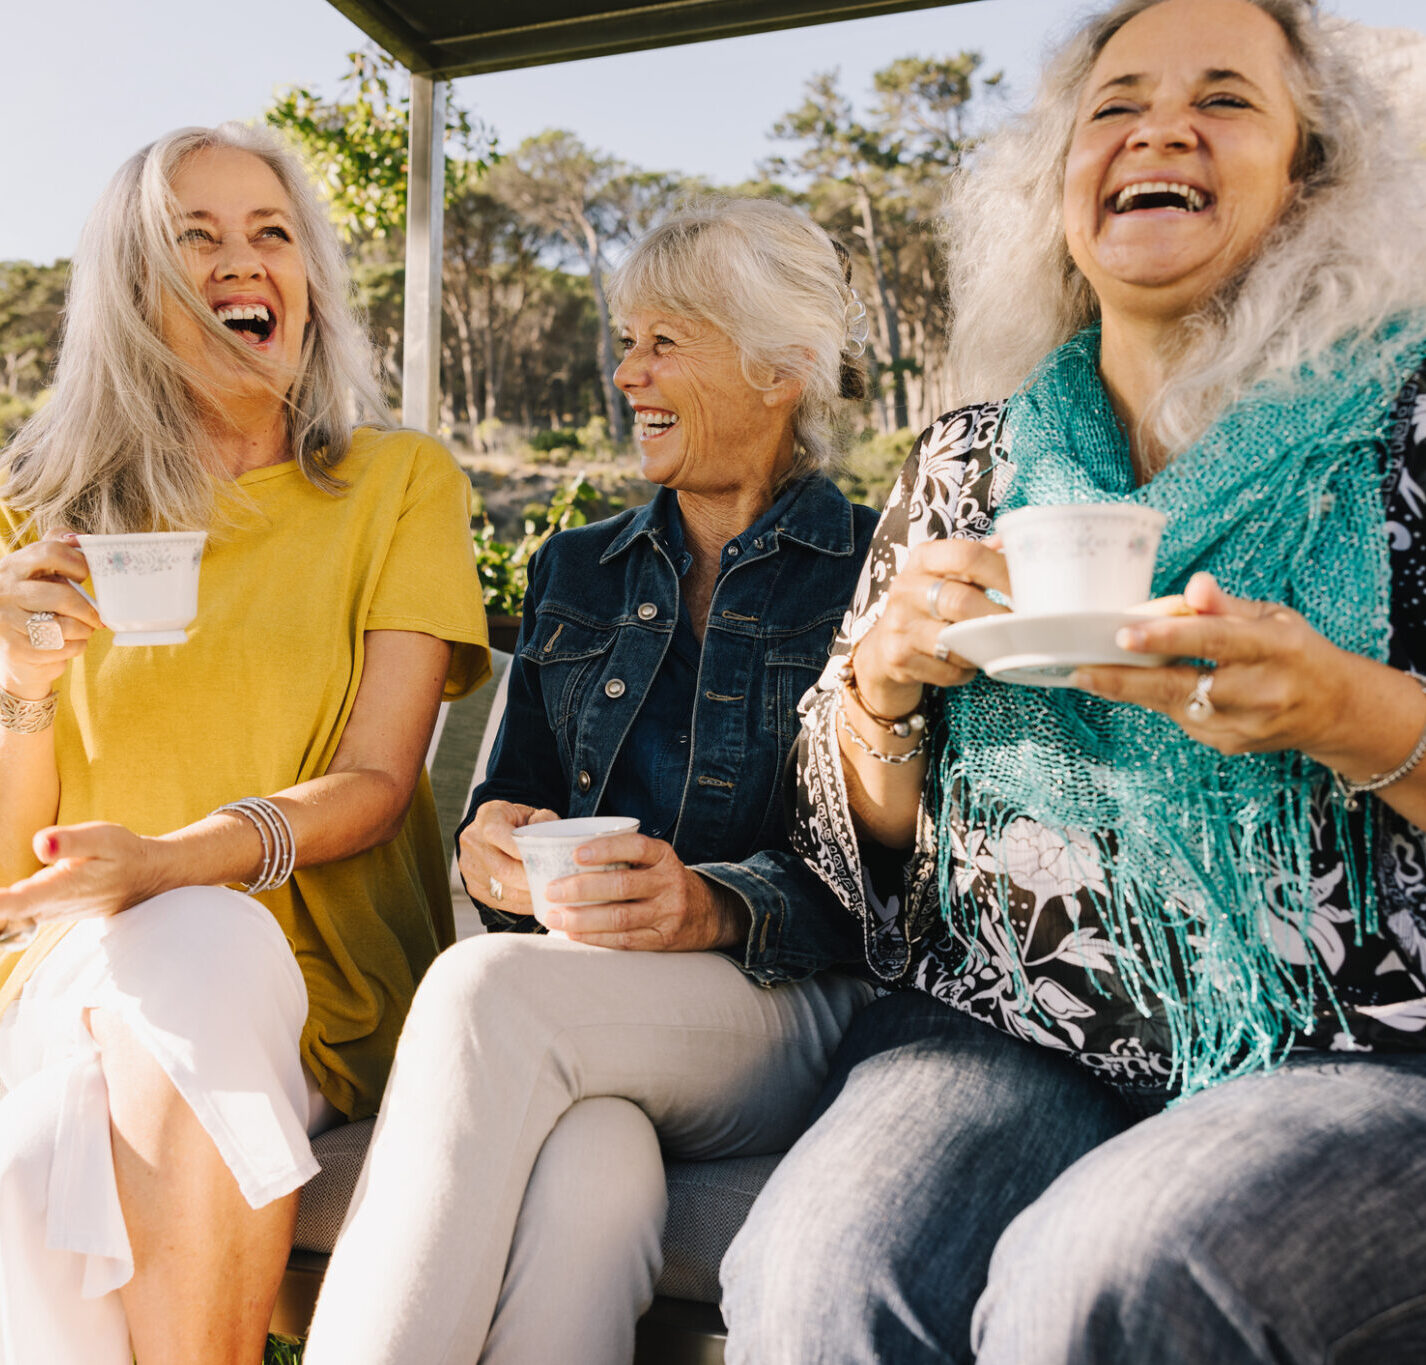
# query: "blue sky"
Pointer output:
{"type": "Point", "coordinates": [89, 81]}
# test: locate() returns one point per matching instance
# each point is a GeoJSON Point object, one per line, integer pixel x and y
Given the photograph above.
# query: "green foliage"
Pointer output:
{"type": "Point", "coordinates": [356, 145]}
{"type": "Point", "coordinates": [31, 299]}
{"type": "Point", "coordinates": [559, 438]}
{"type": "Point", "coordinates": [282, 1351]}
{"type": "Point", "coordinates": [504, 568]}
{"type": "Point", "coordinates": [869, 472]}
{"type": "Point", "coordinates": [14, 413]}
{"type": "Point", "coordinates": [594, 435]}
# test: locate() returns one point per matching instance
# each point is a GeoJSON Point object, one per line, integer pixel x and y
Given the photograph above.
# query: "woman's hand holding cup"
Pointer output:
{"type": "Point", "coordinates": [41, 580]}
{"type": "Point", "coordinates": [490, 862]}
{"type": "Point", "coordinates": [942, 582]}
{"type": "Point", "coordinates": [638, 895]}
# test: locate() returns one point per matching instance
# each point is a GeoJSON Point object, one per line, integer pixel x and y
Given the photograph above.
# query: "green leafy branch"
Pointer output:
{"type": "Point", "coordinates": [504, 567]}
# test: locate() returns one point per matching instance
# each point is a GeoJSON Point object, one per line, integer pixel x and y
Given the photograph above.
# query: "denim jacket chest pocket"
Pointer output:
{"type": "Point", "coordinates": [568, 650]}
{"type": "Point", "coordinates": [795, 660]}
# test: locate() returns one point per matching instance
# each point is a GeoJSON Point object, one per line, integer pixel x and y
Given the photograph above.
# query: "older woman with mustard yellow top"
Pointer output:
{"type": "Point", "coordinates": [167, 1043]}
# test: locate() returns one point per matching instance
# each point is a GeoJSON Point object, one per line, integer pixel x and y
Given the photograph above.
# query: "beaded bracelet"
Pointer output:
{"type": "Point", "coordinates": [1351, 790]}
{"type": "Point", "coordinates": [901, 726]}
{"type": "Point", "coordinates": [881, 757]}
{"type": "Point", "coordinates": [279, 849]}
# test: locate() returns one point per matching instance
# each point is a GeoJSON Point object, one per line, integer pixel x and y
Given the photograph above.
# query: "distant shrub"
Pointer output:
{"type": "Point", "coordinates": [594, 435]}
{"type": "Point", "coordinates": [555, 439]}
{"type": "Point", "coordinates": [869, 471]}
{"type": "Point", "coordinates": [15, 412]}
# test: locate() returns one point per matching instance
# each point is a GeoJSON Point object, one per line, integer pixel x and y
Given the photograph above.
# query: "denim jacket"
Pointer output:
{"type": "Point", "coordinates": [599, 615]}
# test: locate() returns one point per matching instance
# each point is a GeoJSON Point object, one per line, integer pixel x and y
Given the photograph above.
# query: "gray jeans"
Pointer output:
{"type": "Point", "coordinates": [963, 1195]}
{"type": "Point", "coordinates": [513, 1198]}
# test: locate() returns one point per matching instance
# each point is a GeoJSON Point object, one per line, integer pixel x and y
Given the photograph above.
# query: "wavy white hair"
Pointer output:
{"type": "Point", "coordinates": [770, 279]}
{"type": "Point", "coordinates": [1348, 252]}
{"type": "Point", "coordinates": [123, 444]}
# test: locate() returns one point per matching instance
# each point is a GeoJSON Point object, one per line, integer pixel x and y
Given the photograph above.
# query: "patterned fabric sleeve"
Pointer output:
{"type": "Point", "coordinates": [947, 489]}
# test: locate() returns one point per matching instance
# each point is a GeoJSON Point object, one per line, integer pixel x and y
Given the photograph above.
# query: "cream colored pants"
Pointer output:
{"type": "Point", "coordinates": [204, 979]}
{"type": "Point", "coordinates": [512, 1204]}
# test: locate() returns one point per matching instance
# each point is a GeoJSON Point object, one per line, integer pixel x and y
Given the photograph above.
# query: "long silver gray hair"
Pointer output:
{"type": "Point", "coordinates": [1348, 252]}
{"type": "Point", "coordinates": [124, 442]}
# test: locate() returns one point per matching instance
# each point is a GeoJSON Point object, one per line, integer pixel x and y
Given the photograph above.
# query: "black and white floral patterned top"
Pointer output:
{"type": "Point", "coordinates": [950, 487]}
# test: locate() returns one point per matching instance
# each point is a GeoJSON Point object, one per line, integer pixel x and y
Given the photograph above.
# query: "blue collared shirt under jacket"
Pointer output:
{"type": "Point", "coordinates": [600, 621]}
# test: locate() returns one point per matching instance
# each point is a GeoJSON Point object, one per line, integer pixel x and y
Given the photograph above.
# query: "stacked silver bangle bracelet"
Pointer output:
{"type": "Point", "coordinates": [1349, 791]}
{"type": "Point", "coordinates": [279, 849]}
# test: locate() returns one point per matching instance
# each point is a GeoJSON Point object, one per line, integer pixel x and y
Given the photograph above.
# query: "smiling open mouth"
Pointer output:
{"type": "Point", "coordinates": [253, 320]}
{"type": "Point", "coordinates": [650, 424]}
{"type": "Point", "coordinates": [1160, 194]}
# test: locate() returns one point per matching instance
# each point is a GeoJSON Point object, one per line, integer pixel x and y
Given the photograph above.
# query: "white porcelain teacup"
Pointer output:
{"type": "Point", "coordinates": [547, 850]}
{"type": "Point", "coordinates": [1083, 557]}
{"type": "Point", "coordinates": [146, 583]}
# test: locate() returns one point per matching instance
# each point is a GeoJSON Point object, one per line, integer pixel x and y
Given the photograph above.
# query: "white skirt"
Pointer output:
{"type": "Point", "coordinates": [205, 980]}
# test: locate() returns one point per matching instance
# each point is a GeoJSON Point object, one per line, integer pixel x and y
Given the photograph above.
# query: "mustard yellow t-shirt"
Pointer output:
{"type": "Point", "coordinates": [256, 700]}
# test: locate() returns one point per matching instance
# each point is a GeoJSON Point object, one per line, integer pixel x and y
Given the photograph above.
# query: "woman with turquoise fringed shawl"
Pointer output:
{"type": "Point", "coordinates": [1149, 1083]}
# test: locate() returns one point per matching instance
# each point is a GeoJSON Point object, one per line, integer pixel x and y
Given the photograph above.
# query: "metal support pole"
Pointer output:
{"type": "Point", "coordinates": [425, 201]}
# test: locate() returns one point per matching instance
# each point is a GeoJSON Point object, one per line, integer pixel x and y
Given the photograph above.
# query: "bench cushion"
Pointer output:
{"type": "Point", "coordinates": [707, 1202]}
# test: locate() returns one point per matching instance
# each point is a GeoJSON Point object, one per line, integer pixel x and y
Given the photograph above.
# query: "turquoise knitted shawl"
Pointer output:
{"type": "Point", "coordinates": [1205, 859]}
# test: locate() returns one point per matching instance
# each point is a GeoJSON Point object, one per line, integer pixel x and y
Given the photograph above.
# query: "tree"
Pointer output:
{"type": "Point", "coordinates": [357, 145]}
{"type": "Point", "coordinates": [589, 202]}
{"type": "Point", "coordinates": [876, 182]}
{"type": "Point", "coordinates": [491, 255]}
{"type": "Point", "coordinates": [31, 301]}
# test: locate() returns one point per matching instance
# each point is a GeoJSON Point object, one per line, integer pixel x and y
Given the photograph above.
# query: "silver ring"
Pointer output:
{"type": "Point", "coordinates": [933, 598]}
{"type": "Point", "coordinates": [942, 648]}
{"type": "Point", "coordinates": [497, 889]}
{"type": "Point", "coordinates": [44, 631]}
{"type": "Point", "coordinates": [1199, 706]}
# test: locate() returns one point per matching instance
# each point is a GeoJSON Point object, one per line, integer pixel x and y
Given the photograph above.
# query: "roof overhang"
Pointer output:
{"type": "Point", "coordinates": [449, 38]}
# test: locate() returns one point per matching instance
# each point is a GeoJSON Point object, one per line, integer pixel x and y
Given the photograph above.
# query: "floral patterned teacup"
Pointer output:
{"type": "Point", "coordinates": [146, 583]}
{"type": "Point", "coordinates": [547, 850]}
{"type": "Point", "coordinates": [1088, 556]}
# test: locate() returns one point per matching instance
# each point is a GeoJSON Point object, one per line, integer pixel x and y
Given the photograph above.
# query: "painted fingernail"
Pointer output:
{"type": "Point", "coordinates": [51, 846]}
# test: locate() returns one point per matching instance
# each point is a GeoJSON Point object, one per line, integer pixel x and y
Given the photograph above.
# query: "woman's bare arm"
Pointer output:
{"type": "Point", "coordinates": [359, 802]}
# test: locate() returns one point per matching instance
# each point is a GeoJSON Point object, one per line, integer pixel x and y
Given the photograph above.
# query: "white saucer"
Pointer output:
{"type": "Point", "coordinates": [1043, 651]}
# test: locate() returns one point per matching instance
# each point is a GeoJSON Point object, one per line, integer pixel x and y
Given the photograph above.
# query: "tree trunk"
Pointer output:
{"type": "Point", "coordinates": [888, 311]}
{"type": "Point", "coordinates": [465, 353]}
{"type": "Point", "coordinates": [613, 399]}
{"type": "Point", "coordinates": [492, 375]}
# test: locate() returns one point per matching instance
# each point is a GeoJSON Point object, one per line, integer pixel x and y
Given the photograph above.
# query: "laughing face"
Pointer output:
{"type": "Point", "coordinates": [701, 427]}
{"type": "Point", "coordinates": [1182, 154]}
{"type": "Point", "coordinates": [237, 243]}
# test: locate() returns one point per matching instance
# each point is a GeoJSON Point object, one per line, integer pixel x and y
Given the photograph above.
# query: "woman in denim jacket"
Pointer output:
{"type": "Point", "coordinates": [514, 1195]}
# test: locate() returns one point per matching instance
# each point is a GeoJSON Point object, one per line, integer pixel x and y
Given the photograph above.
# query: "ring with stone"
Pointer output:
{"type": "Point", "coordinates": [1199, 706]}
{"type": "Point", "coordinates": [497, 890]}
{"type": "Point", "coordinates": [44, 631]}
{"type": "Point", "coordinates": [933, 597]}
